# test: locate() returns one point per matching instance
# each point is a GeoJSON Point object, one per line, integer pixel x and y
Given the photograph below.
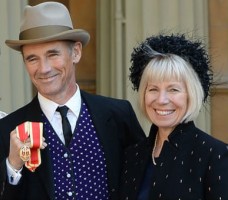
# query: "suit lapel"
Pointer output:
{"type": "Point", "coordinates": [102, 119]}
{"type": "Point", "coordinates": [107, 134]}
{"type": "Point", "coordinates": [44, 171]}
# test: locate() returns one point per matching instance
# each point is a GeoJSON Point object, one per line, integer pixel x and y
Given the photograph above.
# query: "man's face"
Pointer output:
{"type": "Point", "coordinates": [51, 67]}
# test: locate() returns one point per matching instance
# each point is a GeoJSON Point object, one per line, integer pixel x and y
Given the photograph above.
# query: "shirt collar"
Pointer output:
{"type": "Point", "coordinates": [49, 107]}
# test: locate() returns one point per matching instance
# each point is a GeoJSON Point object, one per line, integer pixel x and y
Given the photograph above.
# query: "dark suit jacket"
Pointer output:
{"type": "Point", "coordinates": [116, 125]}
{"type": "Point", "coordinates": [191, 166]}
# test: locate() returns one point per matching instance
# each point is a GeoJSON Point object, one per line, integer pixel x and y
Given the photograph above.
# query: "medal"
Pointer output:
{"type": "Point", "coordinates": [31, 156]}
{"type": "Point", "coordinates": [25, 153]}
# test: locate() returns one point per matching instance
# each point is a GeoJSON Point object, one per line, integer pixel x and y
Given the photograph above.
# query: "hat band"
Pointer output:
{"type": "Point", "coordinates": [42, 32]}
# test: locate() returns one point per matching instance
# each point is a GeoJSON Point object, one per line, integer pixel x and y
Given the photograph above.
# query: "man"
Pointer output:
{"type": "Point", "coordinates": [83, 165]}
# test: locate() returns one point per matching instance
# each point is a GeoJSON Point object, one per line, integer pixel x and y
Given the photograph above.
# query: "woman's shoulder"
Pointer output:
{"type": "Point", "coordinates": [206, 145]}
{"type": "Point", "coordinates": [201, 138]}
{"type": "Point", "coordinates": [210, 140]}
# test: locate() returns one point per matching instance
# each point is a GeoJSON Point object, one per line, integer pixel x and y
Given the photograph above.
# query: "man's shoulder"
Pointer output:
{"type": "Point", "coordinates": [99, 97]}
{"type": "Point", "coordinates": [104, 103]}
{"type": "Point", "coordinates": [19, 115]}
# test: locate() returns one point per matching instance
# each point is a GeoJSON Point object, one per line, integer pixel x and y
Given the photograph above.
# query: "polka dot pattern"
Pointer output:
{"type": "Point", "coordinates": [79, 170]}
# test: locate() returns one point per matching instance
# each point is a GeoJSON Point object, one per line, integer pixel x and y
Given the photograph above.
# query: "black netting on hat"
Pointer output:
{"type": "Point", "coordinates": [192, 51]}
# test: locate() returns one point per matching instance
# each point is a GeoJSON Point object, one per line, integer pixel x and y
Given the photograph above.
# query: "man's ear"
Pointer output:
{"type": "Point", "coordinates": [77, 52]}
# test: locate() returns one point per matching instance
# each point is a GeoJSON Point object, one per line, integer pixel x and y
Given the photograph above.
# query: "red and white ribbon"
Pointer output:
{"type": "Point", "coordinates": [34, 130]}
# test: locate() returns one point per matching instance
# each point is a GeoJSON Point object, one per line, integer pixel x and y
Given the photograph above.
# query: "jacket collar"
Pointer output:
{"type": "Point", "coordinates": [177, 137]}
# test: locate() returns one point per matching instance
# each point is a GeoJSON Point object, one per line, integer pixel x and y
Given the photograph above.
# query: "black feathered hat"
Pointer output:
{"type": "Point", "coordinates": [194, 52]}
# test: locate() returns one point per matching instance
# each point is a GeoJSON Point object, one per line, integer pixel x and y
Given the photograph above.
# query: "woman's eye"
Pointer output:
{"type": "Point", "coordinates": [174, 90]}
{"type": "Point", "coordinates": [152, 89]}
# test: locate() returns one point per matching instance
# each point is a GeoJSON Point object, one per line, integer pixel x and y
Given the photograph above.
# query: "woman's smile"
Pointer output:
{"type": "Point", "coordinates": [164, 112]}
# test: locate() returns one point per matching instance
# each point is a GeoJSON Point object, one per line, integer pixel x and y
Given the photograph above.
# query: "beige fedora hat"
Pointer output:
{"type": "Point", "coordinates": [49, 21]}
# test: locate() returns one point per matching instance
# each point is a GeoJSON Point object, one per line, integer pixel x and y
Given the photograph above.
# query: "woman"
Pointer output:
{"type": "Point", "coordinates": [177, 161]}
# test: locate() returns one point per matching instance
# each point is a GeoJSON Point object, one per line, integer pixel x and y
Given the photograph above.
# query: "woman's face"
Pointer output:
{"type": "Point", "coordinates": [166, 103]}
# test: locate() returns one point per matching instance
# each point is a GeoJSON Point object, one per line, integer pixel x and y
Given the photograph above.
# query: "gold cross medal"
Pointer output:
{"type": "Point", "coordinates": [30, 155]}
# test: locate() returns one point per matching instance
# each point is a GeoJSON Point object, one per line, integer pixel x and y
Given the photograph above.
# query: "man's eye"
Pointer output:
{"type": "Point", "coordinates": [53, 54]}
{"type": "Point", "coordinates": [30, 60]}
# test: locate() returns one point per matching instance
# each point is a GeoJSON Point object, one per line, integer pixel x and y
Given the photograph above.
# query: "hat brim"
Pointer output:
{"type": "Point", "coordinates": [73, 35]}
